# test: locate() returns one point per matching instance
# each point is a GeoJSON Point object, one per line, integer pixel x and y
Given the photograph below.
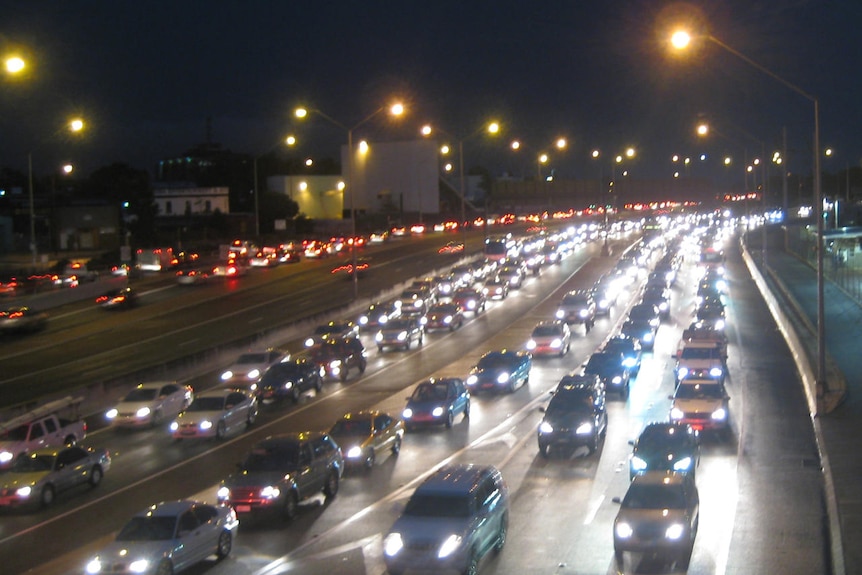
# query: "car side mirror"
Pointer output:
{"type": "Point", "coordinates": [631, 441]}
{"type": "Point", "coordinates": [541, 409]}
{"type": "Point", "coordinates": [670, 397]}
{"type": "Point", "coordinates": [616, 500]}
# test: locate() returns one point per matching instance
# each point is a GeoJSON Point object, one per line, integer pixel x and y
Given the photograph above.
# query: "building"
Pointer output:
{"type": "Point", "coordinates": [318, 197]}
{"type": "Point", "coordinates": [191, 201]}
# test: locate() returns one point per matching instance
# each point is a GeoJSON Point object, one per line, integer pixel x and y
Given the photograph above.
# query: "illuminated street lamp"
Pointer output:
{"type": "Point", "coordinates": [680, 40]}
{"type": "Point", "coordinates": [396, 109]}
{"type": "Point", "coordinates": [14, 65]}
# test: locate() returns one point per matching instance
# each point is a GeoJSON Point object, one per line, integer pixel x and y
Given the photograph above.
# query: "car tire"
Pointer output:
{"type": "Point", "coordinates": [501, 534]}
{"type": "Point", "coordinates": [330, 489]}
{"type": "Point", "coordinates": [46, 497]}
{"type": "Point", "coordinates": [318, 384]}
{"type": "Point", "coordinates": [252, 416]}
{"type": "Point", "coordinates": [362, 365]}
{"type": "Point", "coordinates": [421, 340]}
{"type": "Point", "coordinates": [225, 544]}
{"type": "Point", "coordinates": [95, 476]}
{"type": "Point", "coordinates": [291, 506]}
{"type": "Point", "coordinates": [156, 419]}
{"type": "Point", "coordinates": [344, 373]}
{"type": "Point", "coordinates": [595, 443]}
{"type": "Point", "coordinates": [624, 391]}
{"type": "Point", "coordinates": [369, 459]}
{"type": "Point", "coordinates": [544, 449]}
{"type": "Point", "coordinates": [221, 430]}
{"type": "Point", "coordinates": [165, 568]}
{"type": "Point", "coordinates": [396, 446]}
{"type": "Point", "coordinates": [70, 441]}
{"type": "Point", "coordinates": [379, 349]}
{"type": "Point", "coordinates": [294, 394]}
{"type": "Point", "coordinates": [619, 558]}
{"type": "Point", "coordinates": [450, 419]}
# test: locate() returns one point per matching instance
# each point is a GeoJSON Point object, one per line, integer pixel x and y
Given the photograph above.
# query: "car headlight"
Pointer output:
{"type": "Point", "coordinates": [471, 304]}
{"type": "Point", "coordinates": [383, 319]}
{"type": "Point", "coordinates": [402, 335]}
{"type": "Point", "coordinates": [253, 374]}
{"type": "Point", "coordinates": [663, 306]}
{"type": "Point", "coordinates": [503, 377]}
{"type": "Point", "coordinates": [557, 343]}
{"type": "Point", "coordinates": [354, 452]}
{"type": "Point", "coordinates": [111, 413]}
{"type": "Point", "coordinates": [531, 344]}
{"type": "Point", "coordinates": [226, 375]}
{"type": "Point", "coordinates": [392, 544]}
{"type": "Point", "coordinates": [472, 380]}
{"type": "Point", "coordinates": [560, 314]}
{"type": "Point", "coordinates": [379, 336]}
{"type": "Point", "coordinates": [363, 320]}
{"type": "Point", "coordinates": [407, 413]}
{"type": "Point", "coordinates": [623, 530]}
{"type": "Point", "coordinates": [546, 427]}
{"type": "Point", "coordinates": [270, 492]}
{"type": "Point", "coordinates": [584, 428]}
{"type": "Point", "coordinates": [617, 380]}
{"type": "Point", "coordinates": [629, 362]}
{"type": "Point", "coordinates": [681, 372]}
{"type": "Point", "coordinates": [437, 411]}
{"type": "Point", "coordinates": [674, 532]}
{"type": "Point", "coordinates": [654, 322]}
{"type": "Point", "coordinates": [719, 413]}
{"type": "Point", "coordinates": [142, 412]}
{"type": "Point", "coordinates": [648, 336]}
{"type": "Point", "coordinates": [24, 491]}
{"type": "Point", "coordinates": [335, 364]}
{"type": "Point", "coordinates": [715, 372]}
{"type": "Point", "coordinates": [683, 464]}
{"type": "Point", "coordinates": [604, 303]}
{"type": "Point", "coordinates": [448, 319]}
{"type": "Point", "coordinates": [449, 546]}
{"type": "Point", "coordinates": [94, 566]}
{"type": "Point", "coordinates": [139, 566]}
{"type": "Point", "coordinates": [174, 426]}
{"type": "Point", "coordinates": [583, 313]}
{"type": "Point", "coordinates": [676, 413]}
{"type": "Point", "coordinates": [309, 342]}
{"type": "Point", "coordinates": [719, 324]}
{"type": "Point", "coordinates": [638, 463]}
{"type": "Point", "coordinates": [223, 493]}
{"type": "Point", "coordinates": [205, 424]}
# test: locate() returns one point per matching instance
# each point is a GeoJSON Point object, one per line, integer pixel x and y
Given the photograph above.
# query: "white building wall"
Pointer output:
{"type": "Point", "coordinates": [318, 197]}
{"type": "Point", "coordinates": [200, 201]}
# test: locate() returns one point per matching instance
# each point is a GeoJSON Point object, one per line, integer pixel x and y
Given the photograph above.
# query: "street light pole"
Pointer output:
{"type": "Point", "coordinates": [463, 194]}
{"type": "Point", "coordinates": [256, 204]}
{"type": "Point", "coordinates": [33, 247]}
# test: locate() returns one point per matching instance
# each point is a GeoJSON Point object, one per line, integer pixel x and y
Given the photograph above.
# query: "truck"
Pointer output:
{"type": "Point", "coordinates": [155, 259]}
{"type": "Point", "coordinates": [53, 424]}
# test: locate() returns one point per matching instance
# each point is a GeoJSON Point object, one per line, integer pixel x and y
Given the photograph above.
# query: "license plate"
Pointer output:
{"type": "Point", "coordinates": [243, 508]}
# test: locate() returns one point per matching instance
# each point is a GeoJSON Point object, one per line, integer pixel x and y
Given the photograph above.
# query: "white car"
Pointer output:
{"type": "Point", "coordinates": [701, 358]}
{"type": "Point", "coordinates": [701, 403]}
{"type": "Point", "coordinates": [250, 366]}
{"type": "Point", "coordinates": [150, 403]}
{"type": "Point", "coordinates": [216, 414]}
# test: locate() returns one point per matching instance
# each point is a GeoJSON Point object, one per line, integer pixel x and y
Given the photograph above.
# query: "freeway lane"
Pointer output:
{"type": "Point", "coordinates": [760, 512]}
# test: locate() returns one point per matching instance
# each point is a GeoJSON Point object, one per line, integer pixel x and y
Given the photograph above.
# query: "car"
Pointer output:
{"type": "Point", "coordinates": [281, 471]}
{"type": "Point", "coordinates": [215, 414]}
{"type": "Point", "coordinates": [401, 333]}
{"type": "Point", "coordinates": [377, 314]}
{"type": "Point", "coordinates": [289, 253]}
{"type": "Point", "coordinates": [645, 312]}
{"type": "Point", "coordinates": [168, 537]}
{"type": "Point", "coordinates": [503, 370]}
{"type": "Point", "coordinates": [378, 237]}
{"type": "Point", "coordinates": [363, 434]}
{"type": "Point", "coordinates": [17, 320]}
{"type": "Point", "coordinates": [658, 516]}
{"type": "Point", "coordinates": [496, 288]}
{"type": "Point", "coordinates": [611, 369]}
{"type": "Point", "coordinates": [701, 331]}
{"type": "Point", "coordinates": [446, 284]}
{"type": "Point", "coordinates": [452, 248]}
{"type": "Point", "coordinates": [436, 401]}
{"type": "Point", "coordinates": [551, 337]}
{"type": "Point", "coordinates": [195, 276]}
{"type": "Point", "coordinates": [606, 293]}
{"type": "Point", "coordinates": [513, 274]}
{"type": "Point", "coordinates": [644, 332]}
{"type": "Point", "coordinates": [266, 257]}
{"type": "Point", "coordinates": [660, 298]}
{"type": "Point", "coordinates": [37, 477]}
{"type": "Point", "coordinates": [470, 300]}
{"type": "Point", "coordinates": [701, 403]}
{"type": "Point", "coordinates": [290, 379]}
{"type": "Point", "coordinates": [337, 356]}
{"type": "Point", "coordinates": [701, 357]}
{"type": "Point", "coordinates": [711, 312]}
{"type": "Point", "coordinates": [150, 403]}
{"type": "Point", "coordinates": [578, 306]}
{"type": "Point", "coordinates": [444, 316]}
{"type": "Point", "coordinates": [420, 298]}
{"type": "Point", "coordinates": [249, 366]}
{"type": "Point", "coordinates": [665, 446]}
{"type": "Point", "coordinates": [575, 416]}
{"type": "Point", "coordinates": [332, 329]}
{"type": "Point", "coordinates": [317, 249]}
{"type": "Point", "coordinates": [451, 521]}
{"type": "Point", "coordinates": [115, 299]}
{"type": "Point", "coordinates": [629, 347]}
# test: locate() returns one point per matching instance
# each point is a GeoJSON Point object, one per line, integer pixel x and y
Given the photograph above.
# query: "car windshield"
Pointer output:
{"type": "Point", "coordinates": [709, 311]}
{"type": "Point", "coordinates": [271, 459]}
{"type": "Point", "coordinates": [600, 362]}
{"type": "Point", "coordinates": [567, 402]}
{"type": "Point", "coordinates": [433, 505]}
{"type": "Point", "coordinates": [547, 331]}
{"type": "Point", "coordinates": [662, 438]}
{"type": "Point", "coordinates": [495, 360]}
{"type": "Point", "coordinates": [699, 391]}
{"type": "Point", "coordinates": [16, 434]}
{"type": "Point", "coordinates": [654, 497]}
{"type": "Point", "coordinates": [619, 346]}
{"type": "Point", "coordinates": [142, 394]}
{"type": "Point", "coordinates": [251, 358]}
{"type": "Point", "coordinates": [279, 372]}
{"type": "Point", "coordinates": [448, 308]}
{"type": "Point", "coordinates": [430, 393]}
{"type": "Point", "coordinates": [352, 427]}
{"type": "Point", "coordinates": [398, 324]}
{"type": "Point", "coordinates": [148, 528]}
{"type": "Point", "coordinates": [574, 300]}
{"type": "Point", "coordinates": [642, 313]}
{"type": "Point", "coordinates": [33, 464]}
{"type": "Point", "coordinates": [699, 353]}
{"type": "Point", "coordinates": [207, 404]}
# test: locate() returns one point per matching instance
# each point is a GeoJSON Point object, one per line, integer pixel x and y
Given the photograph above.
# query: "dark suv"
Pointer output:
{"type": "Point", "coordinates": [454, 518]}
{"type": "Point", "coordinates": [575, 416]}
{"type": "Point", "coordinates": [283, 470]}
{"type": "Point", "coordinates": [611, 368]}
{"type": "Point", "coordinates": [337, 356]}
{"type": "Point", "coordinates": [290, 379]}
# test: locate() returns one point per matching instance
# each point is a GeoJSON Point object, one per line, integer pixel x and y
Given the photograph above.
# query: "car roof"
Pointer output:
{"type": "Point", "coordinates": [290, 437]}
{"type": "Point", "coordinates": [219, 392]}
{"type": "Point", "coordinates": [168, 508]}
{"type": "Point", "coordinates": [155, 384]}
{"type": "Point", "coordinates": [455, 479]}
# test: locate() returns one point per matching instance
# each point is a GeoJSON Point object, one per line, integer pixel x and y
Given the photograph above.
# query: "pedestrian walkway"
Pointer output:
{"type": "Point", "coordinates": [840, 422]}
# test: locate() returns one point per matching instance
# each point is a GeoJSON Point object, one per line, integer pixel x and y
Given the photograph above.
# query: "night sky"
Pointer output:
{"type": "Point", "coordinates": [146, 76]}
